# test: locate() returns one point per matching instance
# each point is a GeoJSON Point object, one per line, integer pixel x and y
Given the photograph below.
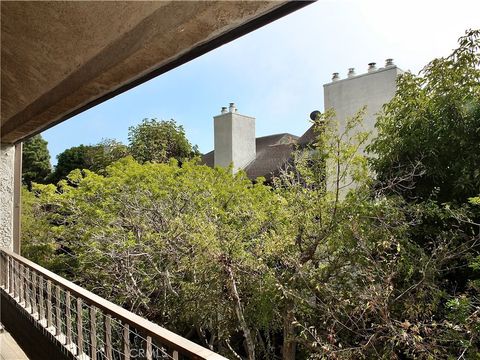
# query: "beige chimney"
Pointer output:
{"type": "Point", "coordinates": [234, 137]}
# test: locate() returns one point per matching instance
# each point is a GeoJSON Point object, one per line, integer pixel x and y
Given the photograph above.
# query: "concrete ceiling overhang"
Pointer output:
{"type": "Point", "coordinates": [61, 58]}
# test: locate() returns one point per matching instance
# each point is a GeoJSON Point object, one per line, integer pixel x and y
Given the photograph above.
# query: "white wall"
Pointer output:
{"type": "Point", "coordinates": [349, 95]}
{"type": "Point", "coordinates": [234, 140]}
{"type": "Point", "coordinates": [223, 155]}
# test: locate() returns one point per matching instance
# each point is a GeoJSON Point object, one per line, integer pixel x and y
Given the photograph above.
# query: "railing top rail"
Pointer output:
{"type": "Point", "coordinates": [157, 332]}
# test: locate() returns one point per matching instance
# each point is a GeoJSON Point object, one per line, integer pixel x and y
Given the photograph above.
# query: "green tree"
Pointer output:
{"type": "Point", "coordinates": [105, 153]}
{"type": "Point", "coordinates": [427, 152]}
{"type": "Point", "coordinates": [179, 245]}
{"type": "Point", "coordinates": [315, 267]}
{"type": "Point", "coordinates": [76, 157]}
{"type": "Point", "coordinates": [92, 157]}
{"type": "Point", "coordinates": [432, 125]}
{"type": "Point", "coordinates": [355, 280]}
{"type": "Point", "coordinates": [36, 165]}
{"type": "Point", "coordinates": [39, 236]}
{"type": "Point", "coordinates": [158, 141]}
{"type": "Point", "coordinates": [299, 271]}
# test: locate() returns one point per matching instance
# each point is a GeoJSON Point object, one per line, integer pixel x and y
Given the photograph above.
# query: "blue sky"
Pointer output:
{"type": "Point", "coordinates": [276, 73]}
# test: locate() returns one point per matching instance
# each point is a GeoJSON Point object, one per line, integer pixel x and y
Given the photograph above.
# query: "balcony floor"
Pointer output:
{"type": "Point", "coordinates": [9, 349]}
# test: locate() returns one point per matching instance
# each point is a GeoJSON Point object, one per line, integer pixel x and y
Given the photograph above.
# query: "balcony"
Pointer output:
{"type": "Point", "coordinates": [52, 318]}
{"type": "Point", "coordinates": [67, 62]}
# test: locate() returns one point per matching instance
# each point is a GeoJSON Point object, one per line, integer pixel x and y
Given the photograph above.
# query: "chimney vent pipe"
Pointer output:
{"type": "Point", "coordinates": [224, 110]}
{"type": "Point", "coordinates": [351, 72]}
{"type": "Point", "coordinates": [372, 67]}
{"type": "Point", "coordinates": [335, 76]}
{"type": "Point", "coordinates": [389, 62]}
{"type": "Point", "coordinates": [232, 108]}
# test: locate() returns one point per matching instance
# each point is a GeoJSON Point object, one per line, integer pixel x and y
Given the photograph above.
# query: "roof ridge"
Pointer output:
{"type": "Point", "coordinates": [278, 134]}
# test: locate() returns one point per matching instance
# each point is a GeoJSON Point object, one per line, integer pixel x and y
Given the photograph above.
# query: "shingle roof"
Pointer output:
{"type": "Point", "coordinates": [308, 137]}
{"type": "Point", "coordinates": [208, 159]}
{"type": "Point", "coordinates": [272, 152]}
{"type": "Point", "coordinates": [270, 160]}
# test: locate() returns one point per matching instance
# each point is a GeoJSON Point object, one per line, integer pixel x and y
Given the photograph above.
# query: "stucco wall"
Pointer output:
{"type": "Point", "coordinates": [222, 125]}
{"type": "Point", "coordinates": [243, 138]}
{"type": "Point", "coordinates": [348, 96]}
{"type": "Point", "coordinates": [234, 140]}
{"type": "Point", "coordinates": [7, 155]}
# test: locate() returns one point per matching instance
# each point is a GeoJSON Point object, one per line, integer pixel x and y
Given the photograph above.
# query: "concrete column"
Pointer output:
{"type": "Point", "coordinates": [7, 170]}
{"type": "Point", "coordinates": [17, 198]}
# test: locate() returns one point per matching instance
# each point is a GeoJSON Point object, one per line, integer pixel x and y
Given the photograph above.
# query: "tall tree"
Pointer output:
{"type": "Point", "coordinates": [76, 157]}
{"type": "Point", "coordinates": [158, 141]}
{"type": "Point", "coordinates": [92, 157]}
{"type": "Point", "coordinates": [176, 244]}
{"type": "Point", "coordinates": [298, 271]}
{"type": "Point", "coordinates": [433, 125]}
{"type": "Point", "coordinates": [105, 153]}
{"type": "Point", "coordinates": [294, 272]}
{"type": "Point", "coordinates": [36, 165]}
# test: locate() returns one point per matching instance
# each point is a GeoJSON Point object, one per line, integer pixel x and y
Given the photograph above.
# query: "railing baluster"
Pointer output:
{"type": "Point", "coordinates": [175, 354]}
{"type": "Point", "coordinates": [21, 295]}
{"type": "Point", "coordinates": [49, 304]}
{"type": "Point", "coordinates": [11, 288]}
{"type": "Point", "coordinates": [79, 327]}
{"type": "Point", "coordinates": [4, 272]}
{"type": "Point", "coordinates": [34, 293]}
{"type": "Point", "coordinates": [93, 333]}
{"type": "Point", "coordinates": [68, 318]}
{"type": "Point", "coordinates": [28, 293]}
{"type": "Point", "coordinates": [9, 276]}
{"type": "Point", "coordinates": [41, 312]}
{"type": "Point", "coordinates": [126, 341]}
{"type": "Point", "coordinates": [6, 262]}
{"type": "Point", "coordinates": [58, 310]}
{"type": "Point", "coordinates": [149, 348]}
{"type": "Point", "coordinates": [16, 283]}
{"type": "Point", "coordinates": [14, 274]}
{"type": "Point", "coordinates": [26, 281]}
{"type": "Point", "coordinates": [108, 337]}
{"type": "Point", "coordinates": [12, 277]}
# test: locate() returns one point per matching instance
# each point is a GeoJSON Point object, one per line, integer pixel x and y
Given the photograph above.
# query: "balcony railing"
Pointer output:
{"type": "Point", "coordinates": [85, 325]}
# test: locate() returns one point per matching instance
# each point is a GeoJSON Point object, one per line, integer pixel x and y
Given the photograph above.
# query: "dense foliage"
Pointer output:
{"type": "Point", "coordinates": [158, 141]}
{"type": "Point", "coordinates": [327, 263]}
{"type": "Point", "coordinates": [92, 157]}
{"type": "Point", "coordinates": [176, 244]}
{"type": "Point", "coordinates": [76, 157]}
{"type": "Point", "coordinates": [36, 165]}
{"type": "Point", "coordinates": [432, 126]}
{"type": "Point", "coordinates": [151, 140]}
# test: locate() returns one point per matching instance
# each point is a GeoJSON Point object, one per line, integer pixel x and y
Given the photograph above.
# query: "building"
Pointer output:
{"type": "Point", "coordinates": [236, 144]}
{"type": "Point", "coordinates": [235, 141]}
